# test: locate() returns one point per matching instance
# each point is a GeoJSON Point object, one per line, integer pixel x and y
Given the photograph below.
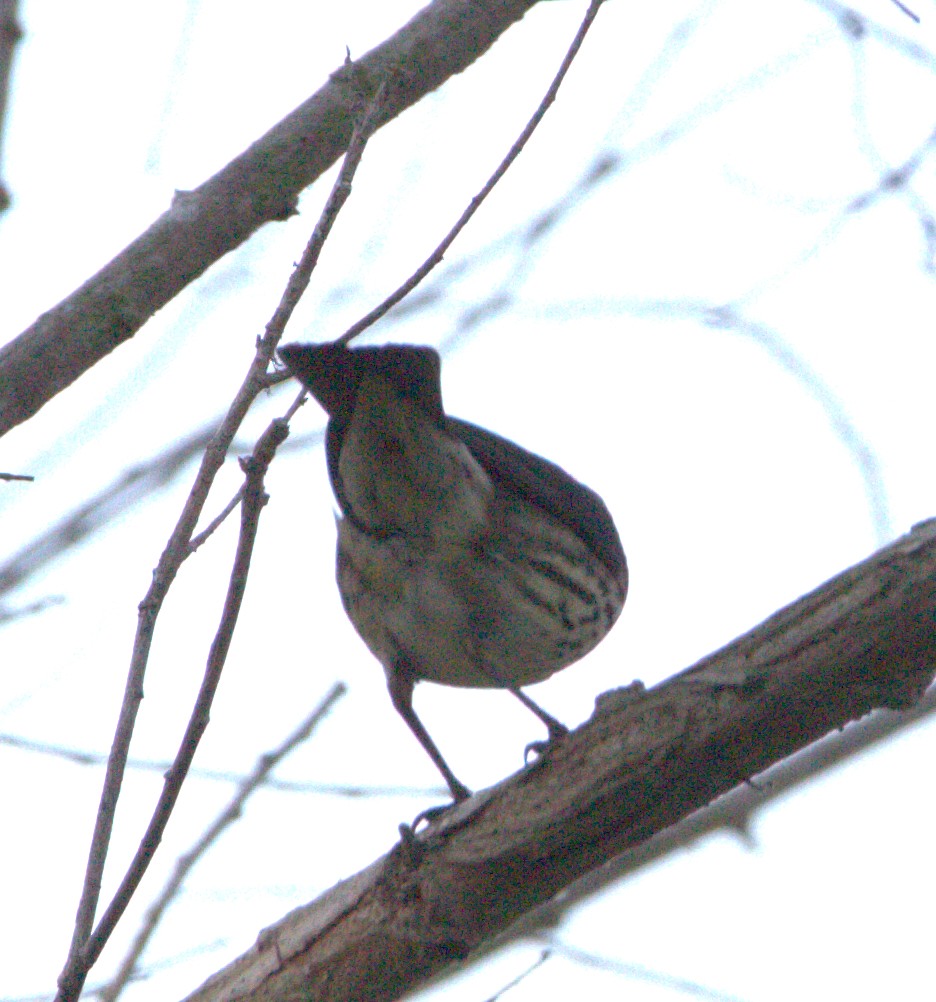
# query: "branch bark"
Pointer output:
{"type": "Point", "coordinates": [261, 185]}
{"type": "Point", "coordinates": [10, 35]}
{"type": "Point", "coordinates": [864, 640]}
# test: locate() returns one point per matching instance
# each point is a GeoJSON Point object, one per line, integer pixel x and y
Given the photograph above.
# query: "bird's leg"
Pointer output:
{"type": "Point", "coordinates": [556, 729]}
{"type": "Point", "coordinates": [400, 683]}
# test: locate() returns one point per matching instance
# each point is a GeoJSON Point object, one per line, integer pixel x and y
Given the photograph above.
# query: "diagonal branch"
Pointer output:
{"type": "Point", "coordinates": [435, 258]}
{"type": "Point", "coordinates": [84, 954]}
{"type": "Point", "coordinates": [232, 812]}
{"type": "Point", "coordinates": [261, 185]}
{"type": "Point", "coordinates": [864, 640]}
{"type": "Point", "coordinates": [85, 946]}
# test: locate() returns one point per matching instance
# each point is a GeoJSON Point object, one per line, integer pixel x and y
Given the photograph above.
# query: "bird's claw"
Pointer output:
{"type": "Point", "coordinates": [539, 748]}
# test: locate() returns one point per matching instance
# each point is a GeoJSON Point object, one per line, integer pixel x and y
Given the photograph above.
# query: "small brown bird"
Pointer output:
{"type": "Point", "coordinates": [462, 558]}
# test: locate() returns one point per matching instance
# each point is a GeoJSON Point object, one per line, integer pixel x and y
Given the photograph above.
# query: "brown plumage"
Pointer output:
{"type": "Point", "coordinates": [462, 558]}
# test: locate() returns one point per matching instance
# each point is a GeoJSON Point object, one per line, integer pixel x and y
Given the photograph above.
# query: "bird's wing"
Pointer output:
{"type": "Point", "coordinates": [546, 486]}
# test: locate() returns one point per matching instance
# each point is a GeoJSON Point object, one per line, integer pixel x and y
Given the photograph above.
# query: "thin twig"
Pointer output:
{"type": "Point", "coordinates": [439, 253]}
{"type": "Point", "coordinates": [255, 498]}
{"type": "Point", "coordinates": [907, 11]}
{"type": "Point", "coordinates": [501, 992]}
{"type": "Point", "coordinates": [141, 480]}
{"type": "Point", "coordinates": [82, 950]}
{"type": "Point", "coordinates": [231, 813]}
{"type": "Point", "coordinates": [16, 476]}
{"type": "Point", "coordinates": [336, 199]}
{"type": "Point", "coordinates": [301, 398]}
{"type": "Point", "coordinates": [197, 541]}
{"type": "Point", "coordinates": [97, 513]}
{"type": "Point", "coordinates": [8, 615]}
{"type": "Point", "coordinates": [636, 972]}
{"type": "Point", "coordinates": [356, 791]}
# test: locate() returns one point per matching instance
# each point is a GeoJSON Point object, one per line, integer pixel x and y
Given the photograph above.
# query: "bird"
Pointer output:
{"type": "Point", "coordinates": [462, 558]}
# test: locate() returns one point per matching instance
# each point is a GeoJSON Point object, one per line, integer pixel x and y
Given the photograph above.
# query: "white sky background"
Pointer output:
{"type": "Point", "coordinates": [741, 140]}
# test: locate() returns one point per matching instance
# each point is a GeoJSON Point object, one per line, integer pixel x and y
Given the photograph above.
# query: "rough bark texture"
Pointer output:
{"type": "Point", "coordinates": [262, 185]}
{"type": "Point", "coordinates": [864, 640]}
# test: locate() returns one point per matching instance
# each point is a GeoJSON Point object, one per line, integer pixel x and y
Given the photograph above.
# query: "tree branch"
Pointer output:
{"type": "Point", "coordinates": [435, 258]}
{"type": "Point", "coordinates": [83, 955]}
{"type": "Point", "coordinates": [864, 640]}
{"type": "Point", "coordinates": [231, 813]}
{"type": "Point", "coordinates": [86, 946]}
{"type": "Point", "coordinates": [259, 186]}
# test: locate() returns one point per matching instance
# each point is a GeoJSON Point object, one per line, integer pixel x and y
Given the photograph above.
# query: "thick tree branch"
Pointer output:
{"type": "Point", "coordinates": [259, 186]}
{"type": "Point", "coordinates": [864, 640]}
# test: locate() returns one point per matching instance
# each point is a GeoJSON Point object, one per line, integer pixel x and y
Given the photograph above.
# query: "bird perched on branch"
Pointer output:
{"type": "Point", "coordinates": [462, 558]}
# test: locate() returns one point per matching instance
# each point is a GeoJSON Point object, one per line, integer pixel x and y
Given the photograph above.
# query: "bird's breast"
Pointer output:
{"type": "Point", "coordinates": [520, 602]}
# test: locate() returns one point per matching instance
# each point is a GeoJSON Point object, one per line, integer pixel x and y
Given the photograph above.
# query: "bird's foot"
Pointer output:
{"type": "Point", "coordinates": [557, 732]}
{"type": "Point", "coordinates": [460, 793]}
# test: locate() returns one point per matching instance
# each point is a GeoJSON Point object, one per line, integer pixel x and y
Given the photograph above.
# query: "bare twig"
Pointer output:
{"type": "Point", "coordinates": [439, 253]}
{"type": "Point", "coordinates": [141, 480]}
{"type": "Point", "coordinates": [341, 189]}
{"type": "Point", "coordinates": [637, 972]}
{"type": "Point", "coordinates": [231, 813]}
{"type": "Point", "coordinates": [301, 398]}
{"type": "Point", "coordinates": [85, 947]}
{"type": "Point", "coordinates": [254, 499]}
{"type": "Point", "coordinates": [196, 541]}
{"type": "Point", "coordinates": [16, 476]}
{"type": "Point", "coordinates": [357, 791]}
{"type": "Point", "coordinates": [8, 615]}
{"type": "Point", "coordinates": [96, 513]}
{"type": "Point", "coordinates": [907, 11]}
{"type": "Point", "coordinates": [729, 317]}
{"type": "Point", "coordinates": [213, 525]}
{"type": "Point", "coordinates": [520, 978]}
